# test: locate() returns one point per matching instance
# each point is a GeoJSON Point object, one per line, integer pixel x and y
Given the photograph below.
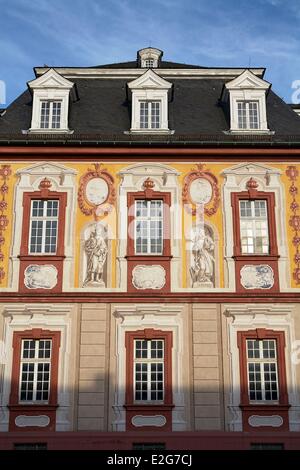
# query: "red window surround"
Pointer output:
{"type": "Point", "coordinates": [248, 408]}
{"type": "Point", "coordinates": [164, 408]}
{"type": "Point", "coordinates": [254, 259]}
{"type": "Point", "coordinates": [138, 259]}
{"type": "Point", "coordinates": [48, 409]}
{"type": "Point", "coordinates": [41, 259]}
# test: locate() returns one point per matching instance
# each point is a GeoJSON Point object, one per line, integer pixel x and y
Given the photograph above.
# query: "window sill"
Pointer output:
{"type": "Point", "coordinates": [48, 131]}
{"type": "Point", "coordinates": [40, 256]}
{"type": "Point", "coordinates": [149, 406]}
{"type": "Point", "coordinates": [148, 257]}
{"type": "Point", "coordinates": [32, 406]}
{"type": "Point", "coordinates": [150, 132]}
{"type": "Point", "coordinates": [253, 257]}
{"type": "Point", "coordinates": [249, 132]}
{"type": "Point", "coordinates": [265, 407]}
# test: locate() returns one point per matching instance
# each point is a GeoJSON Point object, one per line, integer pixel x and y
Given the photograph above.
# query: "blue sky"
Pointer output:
{"type": "Point", "coordinates": [204, 32]}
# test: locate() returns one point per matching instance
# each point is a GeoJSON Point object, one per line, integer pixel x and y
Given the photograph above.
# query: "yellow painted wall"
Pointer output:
{"type": "Point", "coordinates": [113, 168]}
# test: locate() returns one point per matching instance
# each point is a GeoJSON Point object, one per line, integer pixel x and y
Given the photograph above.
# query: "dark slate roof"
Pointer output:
{"type": "Point", "coordinates": [103, 113]}
{"type": "Point", "coordinates": [164, 64]}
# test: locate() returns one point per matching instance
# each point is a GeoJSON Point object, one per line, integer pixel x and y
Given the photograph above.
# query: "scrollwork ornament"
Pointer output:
{"type": "Point", "coordinates": [96, 194]}
{"type": "Point", "coordinates": [200, 187]}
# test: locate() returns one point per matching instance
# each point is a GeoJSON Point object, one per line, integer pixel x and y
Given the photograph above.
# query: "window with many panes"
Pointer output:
{"type": "Point", "coordinates": [148, 370]}
{"type": "Point", "coordinates": [254, 231]}
{"type": "Point", "coordinates": [262, 370]}
{"type": "Point", "coordinates": [43, 226]}
{"type": "Point", "coordinates": [35, 367]}
{"type": "Point", "coordinates": [148, 63]}
{"type": "Point", "coordinates": [248, 117]}
{"type": "Point", "coordinates": [149, 227]}
{"type": "Point", "coordinates": [50, 115]}
{"type": "Point", "coordinates": [150, 114]}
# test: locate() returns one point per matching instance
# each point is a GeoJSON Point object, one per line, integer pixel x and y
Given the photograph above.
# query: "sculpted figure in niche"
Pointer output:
{"type": "Point", "coordinates": [202, 268]}
{"type": "Point", "coordinates": [96, 253]}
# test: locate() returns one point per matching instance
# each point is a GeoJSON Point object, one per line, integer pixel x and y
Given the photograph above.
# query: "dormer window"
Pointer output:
{"type": "Point", "coordinates": [50, 114]}
{"type": "Point", "coordinates": [248, 117]}
{"type": "Point", "coordinates": [51, 99]}
{"type": "Point", "coordinates": [149, 57]}
{"type": "Point", "coordinates": [149, 63]}
{"type": "Point", "coordinates": [150, 104]}
{"type": "Point", "coordinates": [246, 98]}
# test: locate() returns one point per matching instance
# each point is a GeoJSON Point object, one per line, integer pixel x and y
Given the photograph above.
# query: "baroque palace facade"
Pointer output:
{"type": "Point", "coordinates": [149, 260]}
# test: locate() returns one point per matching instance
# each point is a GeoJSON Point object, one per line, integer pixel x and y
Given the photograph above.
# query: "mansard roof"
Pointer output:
{"type": "Point", "coordinates": [197, 113]}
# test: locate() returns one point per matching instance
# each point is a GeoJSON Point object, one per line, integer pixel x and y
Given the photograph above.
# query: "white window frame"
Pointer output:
{"type": "Point", "coordinates": [36, 361]}
{"type": "Point", "coordinates": [237, 96]}
{"type": "Point", "coordinates": [149, 361]}
{"type": "Point", "coordinates": [253, 219]}
{"type": "Point", "coordinates": [261, 361]}
{"type": "Point", "coordinates": [248, 124]}
{"type": "Point", "coordinates": [52, 96]}
{"type": "Point", "coordinates": [150, 112]}
{"type": "Point", "coordinates": [51, 115]}
{"type": "Point", "coordinates": [150, 96]}
{"type": "Point", "coordinates": [44, 218]}
{"type": "Point", "coordinates": [148, 219]}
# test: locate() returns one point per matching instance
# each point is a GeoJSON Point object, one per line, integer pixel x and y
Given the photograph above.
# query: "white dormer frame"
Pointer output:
{"type": "Point", "coordinates": [150, 87]}
{"type": "Point", "coordinates": [51, 86]}
{"type": "Point", "coordinates": [149, 53]}
{"type": "Point", "coordinates": [248, 87]}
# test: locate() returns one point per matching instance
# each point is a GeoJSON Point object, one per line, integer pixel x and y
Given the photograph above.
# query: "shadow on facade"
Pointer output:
{"type": "Point", "coordinates": [86, 419]}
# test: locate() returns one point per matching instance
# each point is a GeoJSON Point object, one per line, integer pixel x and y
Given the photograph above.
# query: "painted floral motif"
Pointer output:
{"type": "Point", "coordinates": [294, 221]}
{"type": "Point", "coordinates": [5, 172]}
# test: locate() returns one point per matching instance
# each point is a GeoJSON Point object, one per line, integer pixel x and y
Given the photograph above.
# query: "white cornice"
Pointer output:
{"type": "Point", "coordinates": [71, 72]}
{"type": "Point", "coordinates": [253, 310]}
{"type": "Point", "coordinates": [23, 309]}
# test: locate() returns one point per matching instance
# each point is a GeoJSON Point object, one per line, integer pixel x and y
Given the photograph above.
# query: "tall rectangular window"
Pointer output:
{"type": "Point", "coordinates": [50, 115]}
{"type": "Point", "coordinates": [35, 370]}
{"type": "Point", "coordinates": [149, 227]}
{"type": "Point", "coordinates": [262, 370]}
{"type": "Point", "coordinates": [148, 370]}
{"type": "Point", "coordinates": [248, 117]}
{"type": "Point", "coordinates": [254, 226]}
{"type": "Point", "coordinates": [150, 114]}
{"type": "Point", "coordinates": [43, 226]}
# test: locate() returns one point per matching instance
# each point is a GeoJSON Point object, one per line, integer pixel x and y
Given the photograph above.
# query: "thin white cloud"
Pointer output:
{"type": "Point", "coordinates": [90, 32]}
